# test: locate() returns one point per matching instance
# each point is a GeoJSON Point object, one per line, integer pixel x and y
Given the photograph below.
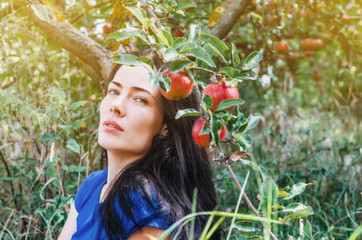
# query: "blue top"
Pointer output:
{"type": "Point", "coordinates": [87, 205]}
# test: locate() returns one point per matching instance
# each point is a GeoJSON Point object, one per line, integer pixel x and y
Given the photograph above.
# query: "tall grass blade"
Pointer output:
{"type": "Point", "coordinates": [192, 227]}
{"type": "Point", "coordinates": [237, 206]}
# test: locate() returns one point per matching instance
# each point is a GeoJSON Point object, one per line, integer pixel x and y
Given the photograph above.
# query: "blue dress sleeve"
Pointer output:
{"type": "Point", "coordinates": [147, 214]}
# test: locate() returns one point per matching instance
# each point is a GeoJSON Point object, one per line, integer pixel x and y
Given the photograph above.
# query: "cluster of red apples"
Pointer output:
{"type": "Point", "coordinates": [181, 87]}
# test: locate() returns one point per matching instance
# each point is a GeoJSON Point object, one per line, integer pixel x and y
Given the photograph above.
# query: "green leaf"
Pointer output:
{"type": "Point", "coordinates": [298, 214]}
{"type": "Point", "coordinates": [294, 207]}
{"type": "Point", "coordinates": [194, 33]}
{"type": "Point", "coordinates": [127, 59]}
{"type": "Point", "coordinates": [253, 120]}
{"type": "Point", "coordinates": [76, 105]}
{"type": "Point", "coordinates": [73, 168]}
{"type": "Point", "coordinates": [216, 126]}
{"type": "Point", "coordinates": [187, 112]}
{"type": "Point", "coordinates": [205, 129]}
{"type": "Point", "coordinates": [160, 80]}
{"type": "Point", "coordinates": [170, 54]}
{"type": "Point", "coordinates": [207, 101]}
{"type": "Point", "coordinates": [73, 146]}
{"type": "Point", "coordinates": [41, 11]}
{"type": "Point", "coordinates": [49, 137]}
{"type": "Point", "coordinates": [218, 46]}
{"type": "Point", "coordinates": [138, 14]}
{"type": "Point", "coordinates": [231, 72]}
{"type": "Point", "coordinates": [146, 60]}
{"type": "Point", "coordinates": [296, 190]}
{"type": "Point", "coordinates": [235, 55]}
{"type": "Point", "coordinates": [126, 33]}
{"type": "Point", "coordinates": [245, 226]}
{"type": "Point", "coordinates": [249, 163]}
{"type": "Point", "coordinates": [307, 231]}
{"type": "Point", "coordinates": [185, 4]}
{"type": "Point", "coordinates": [224, 104]}
{"type": "Point", "coordinates": [264, 173]}
{"type": "Point", "coordinates": [201, 54]}
{"type": "Point", "coordinates": [179, 65]}
{"type": "Point", "coordinates": [179, 42]}
{"type": "Point", "coordinates": [54, 160]}
{"type": "Point", "coordinates": [253, 60]}
{"type": "Point", "coordinates": [168, 36]}
{"type": "Point", "coordinates": [246, 139]}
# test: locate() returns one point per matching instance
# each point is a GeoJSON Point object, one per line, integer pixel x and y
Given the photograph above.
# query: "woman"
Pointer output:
{"type": "Point", "coordinates": [153, 165]}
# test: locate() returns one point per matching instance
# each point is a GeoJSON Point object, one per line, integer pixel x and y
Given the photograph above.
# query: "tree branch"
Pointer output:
{"type": "Point", "coordinates": [72, 40]}
{"type": "Point", "coordinates": [229, 18]}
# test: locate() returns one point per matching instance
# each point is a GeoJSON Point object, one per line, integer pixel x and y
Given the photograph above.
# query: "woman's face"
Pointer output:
{"type": "Point", "coordinates": [130, 114]}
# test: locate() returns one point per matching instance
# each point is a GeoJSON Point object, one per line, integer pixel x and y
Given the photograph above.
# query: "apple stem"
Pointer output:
{"type": "Point", "coordinates": [250, 205]}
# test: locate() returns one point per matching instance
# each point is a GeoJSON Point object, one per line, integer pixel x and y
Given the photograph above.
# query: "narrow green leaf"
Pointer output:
{"type": "Point", "coordinates": [73, 146]}
{"type": "Point", "coordinates": [170, 54]}
{"type": "Point", "coordinates": [187, 112]}
{"type": "Point", "coordinates": [224, 104]}
{"type": "Point", "coordinates": [41, 11]}
{"type": "Point", "coordinates": [235, 55]}
{"type": "Point", "coordinates": [179, 65]}
{"type": "Point", "coordinates": [201, 54]}
{"type": "Point", "coordinates": [253, 60]}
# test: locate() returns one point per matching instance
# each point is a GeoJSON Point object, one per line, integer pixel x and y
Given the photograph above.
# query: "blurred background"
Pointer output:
{"type": "Point", "coordinates": [55, 55]}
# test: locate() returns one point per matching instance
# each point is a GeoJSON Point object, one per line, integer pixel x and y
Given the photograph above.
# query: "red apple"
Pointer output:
{"type": "Point", "coordinates": [316, 75]}
{"type": "Point", "coordinates": [281, 47]}
{"type": "Point", "coordinates": [107, 27]}
{"type": "Point", "coordinates": [346, 19]}
{"type": "Point", "coordinates": [310, 44]}
{"type": "Point", "coordinates": [179, 33]}
{"type": "Point", "coordinates": [320, 6]}
{"type": "Point", "coordinates": [221, 91]}
{"type": "Point", "coordinates": [304, 13]}
{"type": "Point", "coordinates": [181, 85]}
{"type": "Point", "coordinates": [204, 139]}
{"type": "Point", "coordinates": [308, 53]}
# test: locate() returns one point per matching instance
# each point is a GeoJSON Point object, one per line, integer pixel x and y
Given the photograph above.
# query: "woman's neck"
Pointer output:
{"type": "Point", "coordinates": [116, 163]}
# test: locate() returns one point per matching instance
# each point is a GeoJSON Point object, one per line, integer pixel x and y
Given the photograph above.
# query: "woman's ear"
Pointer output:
{"type": "Point", "coordinates": [164, 130]}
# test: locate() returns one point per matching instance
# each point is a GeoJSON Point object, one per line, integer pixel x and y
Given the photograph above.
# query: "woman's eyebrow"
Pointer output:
{"type": "Point", "coordinates": [134, 88]}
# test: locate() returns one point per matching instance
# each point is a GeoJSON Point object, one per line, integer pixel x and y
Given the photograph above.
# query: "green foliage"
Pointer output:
{"type": "Point", "coordinates": [303, 147]}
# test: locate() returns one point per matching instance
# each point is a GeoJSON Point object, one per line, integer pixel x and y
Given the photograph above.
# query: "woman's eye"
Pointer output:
{"type": "Point", "coordinates": [142, 100]}
{"type": "Point", "coordinates": [113, 92]}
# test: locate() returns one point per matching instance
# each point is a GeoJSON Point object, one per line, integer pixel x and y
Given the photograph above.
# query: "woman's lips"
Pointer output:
{"type": "Point", "coordinates": [112, 126]}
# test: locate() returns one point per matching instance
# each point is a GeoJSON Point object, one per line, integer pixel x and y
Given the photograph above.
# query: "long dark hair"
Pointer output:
{"type": "Point", "coordinates": [173, 167]}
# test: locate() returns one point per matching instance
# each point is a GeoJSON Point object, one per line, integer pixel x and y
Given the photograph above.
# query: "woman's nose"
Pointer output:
{"type": "Point", "coordinates": [118, 107]}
